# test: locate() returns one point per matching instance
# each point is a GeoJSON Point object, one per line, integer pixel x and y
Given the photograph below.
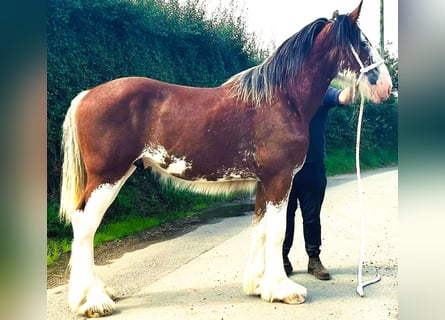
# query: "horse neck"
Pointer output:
{"type": "Point", "coordinates": [306, 91]}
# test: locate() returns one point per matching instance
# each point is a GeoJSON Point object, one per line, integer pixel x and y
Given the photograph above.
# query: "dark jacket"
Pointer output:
{"type": "Point", "coordinates": [317, 128]}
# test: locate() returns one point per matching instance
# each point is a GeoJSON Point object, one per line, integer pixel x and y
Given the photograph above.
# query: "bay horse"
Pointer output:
{"type": "Point", "coordinates": [250, 133]}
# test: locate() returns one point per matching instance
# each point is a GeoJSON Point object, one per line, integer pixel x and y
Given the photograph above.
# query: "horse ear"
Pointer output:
{"type": "Point", "coordinates": [356, 13]}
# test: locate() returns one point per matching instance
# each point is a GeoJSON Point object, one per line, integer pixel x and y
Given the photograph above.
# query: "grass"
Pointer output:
{"type": "Point", "coordinates": [131, 225]}
{"type": "Point", "coordinates": [55, 247]}
{"type": "Point", "coordinates": [343, 161]}
{"type": "Point", "coordinates": [118, 229]}
{"type": "Point", "coordinates": [107, 232]}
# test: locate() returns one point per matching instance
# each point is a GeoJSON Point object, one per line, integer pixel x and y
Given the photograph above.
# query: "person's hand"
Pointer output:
{"type": "Point", "coordinates": [346, 96]}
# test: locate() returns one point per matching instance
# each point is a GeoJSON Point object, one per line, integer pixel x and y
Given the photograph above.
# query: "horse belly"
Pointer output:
{"type": "Point", "coordinates": [203, 167]}
{"type": "Point", "coordinates": [200, 175]}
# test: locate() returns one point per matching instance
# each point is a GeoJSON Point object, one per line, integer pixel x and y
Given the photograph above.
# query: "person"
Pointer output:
{"type": "Point", "coordinates": [309, 185]}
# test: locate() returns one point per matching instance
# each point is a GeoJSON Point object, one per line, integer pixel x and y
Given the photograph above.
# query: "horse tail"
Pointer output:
{"type": "Point", "coordinates": [73, 169]}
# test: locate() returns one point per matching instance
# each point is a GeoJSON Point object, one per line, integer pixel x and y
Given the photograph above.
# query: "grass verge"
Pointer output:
{"type": "Point", "coordinates": [113, 230]}
{"type": "Point", "coordinates": [343, 161]}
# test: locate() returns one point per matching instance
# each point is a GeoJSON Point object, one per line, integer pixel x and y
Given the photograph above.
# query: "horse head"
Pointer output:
{"type": "Point", "coordinates": [358, 60]}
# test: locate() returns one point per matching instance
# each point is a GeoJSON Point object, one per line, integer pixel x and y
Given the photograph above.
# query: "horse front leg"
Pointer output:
{"type": "Point", "coordinates": [254, 271]}
{"type": "Point", "coordinates": [264, 274]}
{"type": "Point", "coordinates": [275, 284]}
{"type": "Point", "coordinates": [88, 295]}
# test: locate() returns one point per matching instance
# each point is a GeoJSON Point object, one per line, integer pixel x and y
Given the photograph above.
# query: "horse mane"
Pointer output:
{"type": "Point", "coordinates": [258, 83]}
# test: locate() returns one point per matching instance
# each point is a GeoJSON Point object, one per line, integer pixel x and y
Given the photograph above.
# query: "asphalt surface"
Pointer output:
{"type": "Point", "coordinates": [198, 275]}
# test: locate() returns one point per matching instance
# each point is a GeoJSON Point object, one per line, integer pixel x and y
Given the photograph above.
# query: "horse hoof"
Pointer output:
{"type": "Point", "coordinates": [294, 299]}
{"type": "Point", "coordinates": [90, 313]}
{"type": "Point", "coordinates": [98, 304]}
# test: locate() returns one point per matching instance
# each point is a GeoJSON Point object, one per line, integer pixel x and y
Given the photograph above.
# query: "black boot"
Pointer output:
{"type": "Point", "coordinates": [316, 268]}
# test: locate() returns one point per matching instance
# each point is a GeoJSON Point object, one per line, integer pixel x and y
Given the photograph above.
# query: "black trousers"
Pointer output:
{"type": "Point", "coordinates": [308, 189]}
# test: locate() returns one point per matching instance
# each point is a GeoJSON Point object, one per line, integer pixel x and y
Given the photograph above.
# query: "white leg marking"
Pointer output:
{"type": "Point", "coordinates": [86, 293]}
{"type": "Point", "coordinates": [254, 270]}
{"type": "Point", "coordinates": [275, 285]}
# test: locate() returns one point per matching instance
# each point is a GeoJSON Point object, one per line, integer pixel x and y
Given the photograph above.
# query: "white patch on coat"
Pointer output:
{"type": "Point", "coordinates": [178, 166]}
{"type": "Point", "coordinates": [158, 154]}
{"type": "Point", "coordinates": [155, 153]}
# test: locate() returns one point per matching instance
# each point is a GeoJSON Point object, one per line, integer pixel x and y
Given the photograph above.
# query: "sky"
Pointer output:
{"type": "Point", "coordinates": [273, 21]}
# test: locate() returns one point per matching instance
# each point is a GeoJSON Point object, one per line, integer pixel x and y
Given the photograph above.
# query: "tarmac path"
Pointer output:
{"type": "Point", "coordinates": [198, 275]}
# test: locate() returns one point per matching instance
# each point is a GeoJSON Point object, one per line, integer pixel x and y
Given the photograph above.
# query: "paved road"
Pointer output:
{"type": "Point", "coordinates": [198, 275]}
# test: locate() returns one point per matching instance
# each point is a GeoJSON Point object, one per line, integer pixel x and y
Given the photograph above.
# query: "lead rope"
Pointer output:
{"type": "Point", "coordinates": [363, 70]}
{"type": "Point", "coordinates": [361, 284]}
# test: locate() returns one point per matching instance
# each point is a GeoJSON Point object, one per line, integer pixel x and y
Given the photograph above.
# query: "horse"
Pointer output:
{"type": "Point", "coordinates": [250, 133]}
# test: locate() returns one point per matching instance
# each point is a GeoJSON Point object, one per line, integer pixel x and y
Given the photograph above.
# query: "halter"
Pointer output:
{"type": "Point", "coordinates": [363, 69]}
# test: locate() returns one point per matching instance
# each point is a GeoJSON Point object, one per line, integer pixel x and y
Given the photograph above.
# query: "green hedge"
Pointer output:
{"type": "Point", "coordinates": [379, 126]}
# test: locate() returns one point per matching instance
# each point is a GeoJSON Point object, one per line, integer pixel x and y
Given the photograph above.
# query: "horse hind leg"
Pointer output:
{"type": "Point", "coordinates": [87, 294]}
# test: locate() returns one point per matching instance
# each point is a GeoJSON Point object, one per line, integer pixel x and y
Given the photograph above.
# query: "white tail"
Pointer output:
{"type": "Point", "coordinates": [73, 170]}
